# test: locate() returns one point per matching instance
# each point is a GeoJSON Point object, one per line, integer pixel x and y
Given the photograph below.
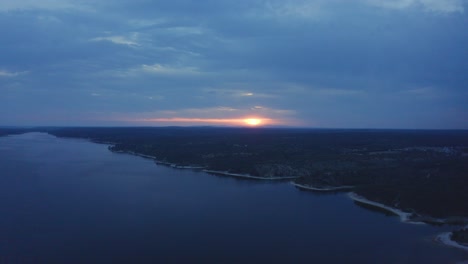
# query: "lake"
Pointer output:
{"type": "Point", "coordinates": [73, 201]}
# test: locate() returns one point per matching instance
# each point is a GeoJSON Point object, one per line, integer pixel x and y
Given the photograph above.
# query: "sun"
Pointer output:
{"type": "Point", "coordinates": [253, 121]}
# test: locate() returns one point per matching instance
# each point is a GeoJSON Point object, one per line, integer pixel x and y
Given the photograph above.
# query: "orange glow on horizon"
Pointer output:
{"type": "Point", "coordinates": [253, 121]}
{"type": "Point", "coordinates": [249, 121]}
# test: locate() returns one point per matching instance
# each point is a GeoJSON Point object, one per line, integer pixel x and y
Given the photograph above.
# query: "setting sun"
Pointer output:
{"type": "Point", "coordinates": [245, 121]}
{"type": "Point", "coordinates": [253, 121]}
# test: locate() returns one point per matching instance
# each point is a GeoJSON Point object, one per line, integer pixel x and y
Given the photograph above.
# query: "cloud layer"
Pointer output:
{"type": "Point", "coordinates": [363, 63]}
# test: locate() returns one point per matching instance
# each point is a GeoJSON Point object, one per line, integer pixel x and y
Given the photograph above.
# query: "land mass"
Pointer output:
{"type": "Point", "coordinates": [420, 174]}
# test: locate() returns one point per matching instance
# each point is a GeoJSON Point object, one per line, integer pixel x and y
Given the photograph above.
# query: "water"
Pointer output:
{"type": "Point", "coordinates": [72, 201]}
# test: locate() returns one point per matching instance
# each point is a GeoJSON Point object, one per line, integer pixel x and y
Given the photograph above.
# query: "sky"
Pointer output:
{"type": "Point", "coordinates": [293, 63]}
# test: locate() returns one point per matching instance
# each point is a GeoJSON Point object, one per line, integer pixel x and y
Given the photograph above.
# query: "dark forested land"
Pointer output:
{"type": "Point", "coordinates": [420, 171]}
{"type": "Point", "coordinates": [461, 236]}
{"type": "Point", "coordinates": [414, 170]}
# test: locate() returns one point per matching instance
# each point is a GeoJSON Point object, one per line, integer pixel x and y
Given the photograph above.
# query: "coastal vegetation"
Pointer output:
{"type": "Point", "coordinates": [418, 171]}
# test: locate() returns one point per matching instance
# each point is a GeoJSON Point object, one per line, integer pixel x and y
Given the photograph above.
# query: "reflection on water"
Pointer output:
{"type": "Point", "coordinates": [72, 201]}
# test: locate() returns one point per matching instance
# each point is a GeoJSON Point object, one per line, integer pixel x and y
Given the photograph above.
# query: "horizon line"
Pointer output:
{"type": "Point", "coordinates": [227, 127]}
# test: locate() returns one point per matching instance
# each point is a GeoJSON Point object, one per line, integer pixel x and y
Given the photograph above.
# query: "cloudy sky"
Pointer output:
{"type": "Point", "coordinates": [312, 63]}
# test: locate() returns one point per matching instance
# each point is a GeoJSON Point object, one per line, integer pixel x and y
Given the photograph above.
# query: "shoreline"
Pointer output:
{"type": "Point", "coordinates": [248, 176]}
{"type": "Point", "coordinates": [158, 162]}
{"type": "Point", "coordinates": [325, 189]}
{"type": "Point", "coordinates": [404, 216]}
{"type": "Point", "coordinates": [411, 218]}
{"type": "Point", "coordinates": [446, 239]}
{"type": "Point", "coordinates": [203, 169]}
{"type": "Point", "coordinates": [133, 153]}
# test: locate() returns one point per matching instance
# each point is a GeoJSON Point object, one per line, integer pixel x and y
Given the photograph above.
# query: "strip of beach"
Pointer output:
{"type": "Point", "coordinates": [248, 176]}
{"type": "Point", "coordinates": [404, 216]}
{"type": "Point", "coordinates": [323, 189]}
{"type": "Point", "coordinates": [446, 239]}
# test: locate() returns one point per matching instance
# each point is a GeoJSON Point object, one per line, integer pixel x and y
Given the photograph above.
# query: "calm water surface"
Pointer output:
{"type": "Point", "coordinates": [72, 201]}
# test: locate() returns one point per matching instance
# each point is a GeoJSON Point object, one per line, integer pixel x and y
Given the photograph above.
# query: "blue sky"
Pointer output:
{"type": "Point", "coordinates": [316, 63]}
